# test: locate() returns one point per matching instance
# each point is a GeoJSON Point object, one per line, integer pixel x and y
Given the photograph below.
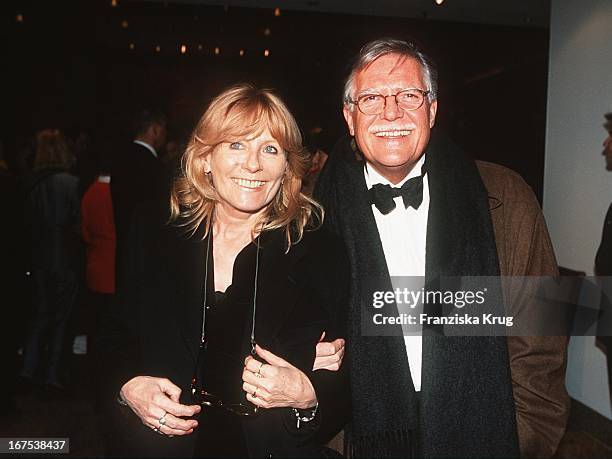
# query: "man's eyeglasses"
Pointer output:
{"type": "Point", "coordinates": [407, 99]}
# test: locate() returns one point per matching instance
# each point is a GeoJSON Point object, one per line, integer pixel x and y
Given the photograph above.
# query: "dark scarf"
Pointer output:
{"type": "Point", "coordinates": [465, 408]}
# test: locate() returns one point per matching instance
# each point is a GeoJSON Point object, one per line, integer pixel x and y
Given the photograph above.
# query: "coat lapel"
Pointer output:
{"type": "Point", "coordinates": [369, 265]}
{"type": "Point", "coordinates": [189, 267]}
{"type": "Point", "coordinates": [363, 238]}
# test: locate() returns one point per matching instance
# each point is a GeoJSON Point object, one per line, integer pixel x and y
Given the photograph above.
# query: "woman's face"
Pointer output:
{"type": "Point", "coordinates": [247, 173]}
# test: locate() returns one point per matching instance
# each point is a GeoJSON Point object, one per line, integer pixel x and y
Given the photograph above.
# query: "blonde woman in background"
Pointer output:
{"type": "Point", "coordinates": [52, 220]}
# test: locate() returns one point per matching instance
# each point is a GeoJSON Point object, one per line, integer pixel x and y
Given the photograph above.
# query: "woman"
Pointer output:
{"type": "Point", "coordinates": [224, 304]}
{"type": "Point", "coordinates": [52, 218]}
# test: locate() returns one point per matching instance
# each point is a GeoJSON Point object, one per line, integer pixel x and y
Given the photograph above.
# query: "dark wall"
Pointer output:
{"type": "Point", "coordinates": [68, 64]}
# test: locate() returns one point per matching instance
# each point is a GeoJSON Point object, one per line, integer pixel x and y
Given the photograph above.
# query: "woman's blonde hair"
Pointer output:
{"type": "Point", "coordinates": [240, 112]}
{"type": "Point", "coordinates": [52, 151]}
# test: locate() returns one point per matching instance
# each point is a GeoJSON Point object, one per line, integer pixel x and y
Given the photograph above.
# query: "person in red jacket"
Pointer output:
{"type": "Point", "coordinates": [98, 232]}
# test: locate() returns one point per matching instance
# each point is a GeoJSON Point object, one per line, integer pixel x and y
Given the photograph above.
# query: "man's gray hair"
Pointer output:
{"type": "Point", "coordinates": [383, 46]}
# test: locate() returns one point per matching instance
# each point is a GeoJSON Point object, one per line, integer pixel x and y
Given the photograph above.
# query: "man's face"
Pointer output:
{"type": "Point", "coordinates": [393, 140]}
{"type": "Point", "coordinates": [607, 151]}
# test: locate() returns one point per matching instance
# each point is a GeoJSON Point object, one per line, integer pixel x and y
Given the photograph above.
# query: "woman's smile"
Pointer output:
{"type": "Point", "coordinates": [249, 184]}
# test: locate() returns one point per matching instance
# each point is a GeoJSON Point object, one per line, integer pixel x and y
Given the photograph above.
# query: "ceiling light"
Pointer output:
{"type": "Point", "coordinates": [124, 24]}
{"type": "Point", "coordinates": [266, 52]}
{"type": "Point", "coordinates": [277, 12]}
{"type": "Point", "coordinates": [157, 49]}
{"type": "Point", "coordinates": [183, 49]}
{"type": "Point", "coordinates": [439, 2]}
{"type": "Point", "coordinates": [19, 18]}
{"type": "Point", "coordinates": [132, 46]}
{"type": "Point", "coordinates": [113, 3]}
{"type": "Point", "coordinates": [242, 52]}
{"type": "Point", "coordinates": [217, 50]}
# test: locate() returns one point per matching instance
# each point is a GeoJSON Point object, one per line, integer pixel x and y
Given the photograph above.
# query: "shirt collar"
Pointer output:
{"type": "Point", "coordinates": [373, 177]}
{"type": "Point", "coordinates": [147, 146]}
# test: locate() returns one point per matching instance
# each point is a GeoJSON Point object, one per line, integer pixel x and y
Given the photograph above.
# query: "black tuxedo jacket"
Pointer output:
{"type": "Point", "coordinates": [137, 177]}
{"type": "Point", "coordinates": [156, 325]}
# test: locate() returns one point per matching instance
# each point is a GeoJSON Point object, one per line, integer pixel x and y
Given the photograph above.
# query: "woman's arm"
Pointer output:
{"type": "Point", "coordinates": [151, 399]}
{"type": "Point", "coordinates": [323, 386]}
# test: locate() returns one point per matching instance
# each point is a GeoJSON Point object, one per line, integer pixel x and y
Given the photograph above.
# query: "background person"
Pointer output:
{"type": "Point", "coordinates": [138, 173]}
{"type": "Point", "coordinates": [52, 216]}
{"type": "Point", "coordinates": [98, 233]}
{"type": "Point", "coordinates": [603, 259]}
{"type": "Point", "coordinates": [318, 145]}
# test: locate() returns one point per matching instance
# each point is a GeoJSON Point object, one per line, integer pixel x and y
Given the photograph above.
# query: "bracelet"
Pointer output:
{"type": "Point", "coordinates": [308, 418]}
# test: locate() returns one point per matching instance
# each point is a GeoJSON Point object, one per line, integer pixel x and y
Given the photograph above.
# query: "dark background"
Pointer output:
{"type": "Point", "coordinates": [69, 65]}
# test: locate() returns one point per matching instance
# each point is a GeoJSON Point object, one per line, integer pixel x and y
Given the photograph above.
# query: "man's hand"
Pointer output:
{"type": "Point", "coordinates": [275, 383]}
{"type": "Point", "coordinates": [155, 399]}
{"type": "Point", "coordinates": [329, 355]}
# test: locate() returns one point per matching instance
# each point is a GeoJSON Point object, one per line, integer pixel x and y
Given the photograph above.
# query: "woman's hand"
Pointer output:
{"type": "Point", "coordinates": [329, 355]}
{"type": "Point", "coordinates": [156, 402]}
{"type": "Point", "coordinates": [276, 383]}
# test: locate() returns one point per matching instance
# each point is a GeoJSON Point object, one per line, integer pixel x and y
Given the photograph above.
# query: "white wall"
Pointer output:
{"type": "Point", "coordinates": [577, 188]}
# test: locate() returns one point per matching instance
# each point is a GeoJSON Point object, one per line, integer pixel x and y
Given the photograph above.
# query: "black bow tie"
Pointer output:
{"type": "Point", "coordinates": [411, 192]}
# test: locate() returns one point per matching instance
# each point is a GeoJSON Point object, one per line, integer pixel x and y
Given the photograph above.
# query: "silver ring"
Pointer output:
{"type": "Point", "coordinates": [162, 420]}
{"type": "Point", "coordinates": [155, 429]}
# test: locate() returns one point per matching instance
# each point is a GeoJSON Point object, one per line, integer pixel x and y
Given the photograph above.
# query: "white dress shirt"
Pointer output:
{"type": "Point", "coordinates": [403, 233]}
{"type": "Point", "coordinates": [147, 146]}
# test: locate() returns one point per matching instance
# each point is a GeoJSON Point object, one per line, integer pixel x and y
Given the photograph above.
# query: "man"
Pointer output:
{"type": "Point", "coordinates": [603, 260]}
{"type": "Point", "coordinates": [607, 143]}
{"type": "Point", "coordinates": [408, 205]}
{"type": "Point", "coordinates": [138, 174]}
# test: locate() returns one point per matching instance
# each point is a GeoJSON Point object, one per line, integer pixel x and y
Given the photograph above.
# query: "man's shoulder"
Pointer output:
{"type": "Point", "coordinates": [505, 185]}
{"type": "Point", "coordinates": [140, 151]}
{"type": "Point", "coordinates": [494, 172]}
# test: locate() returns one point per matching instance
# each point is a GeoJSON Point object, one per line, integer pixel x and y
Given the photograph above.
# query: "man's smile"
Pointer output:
{"type": "Point", "coordinates": [394, 133]}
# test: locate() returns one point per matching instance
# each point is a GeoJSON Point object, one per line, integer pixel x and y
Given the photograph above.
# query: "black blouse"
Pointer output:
{"type": "Point", "coordinates": [228, 323]}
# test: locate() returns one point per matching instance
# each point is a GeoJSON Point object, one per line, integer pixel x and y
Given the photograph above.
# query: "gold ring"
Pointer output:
{"type": "Point", "coordinates": [259, 370]}
{"type": "Point", "coordinates": [255, 393]}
